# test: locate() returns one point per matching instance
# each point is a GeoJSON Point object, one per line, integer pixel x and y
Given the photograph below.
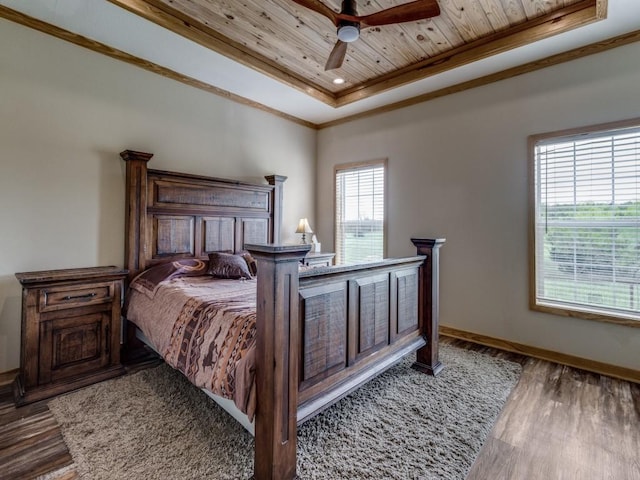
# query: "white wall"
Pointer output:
{"type": "Point", "coordinates": [458, 169]}
{"type": "Point", "coordinates": [66, 113]}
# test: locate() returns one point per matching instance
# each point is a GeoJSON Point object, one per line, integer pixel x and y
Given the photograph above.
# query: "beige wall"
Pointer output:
{"type": "Point", "coordinates": [457, 168]}
{"type": "Point", "coordinates": [66, 113]}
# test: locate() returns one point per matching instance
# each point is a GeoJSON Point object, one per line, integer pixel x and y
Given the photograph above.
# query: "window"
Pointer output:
{"type": "Point", "coordinates": [360, 212]}
{"type": "Point", "coordinates": [586, 222]}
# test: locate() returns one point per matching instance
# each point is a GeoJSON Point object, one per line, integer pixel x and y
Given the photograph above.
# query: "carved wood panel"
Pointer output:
{"type": "Point", "coordinates": [254, 230]}
{"type": "Point", "coordinates": [218, 234]}
{"type": "Point", "coordinates": [324, 332]}
{"type": "Point", "coordinates": [176, 194]}
{"type": "Point", "coordinates": [73, 345]}
{"type": "Point", "coordinates": [174, 235]}
{"type": "Point", "coordinates": [368, 315]}
{"type": "Point", "coordinates": [404, 286]}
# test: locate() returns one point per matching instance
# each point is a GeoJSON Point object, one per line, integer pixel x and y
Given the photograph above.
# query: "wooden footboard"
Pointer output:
{"type": "Point", "coordinates": [324, 332]}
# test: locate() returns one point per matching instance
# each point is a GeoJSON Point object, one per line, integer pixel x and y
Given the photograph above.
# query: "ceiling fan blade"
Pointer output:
{"type": "Point", "coordinates": [320, 8]}
{"type": "Point", "coordinates": [337, 56]}
{"type": "Point", "coordinates": [408, 12]}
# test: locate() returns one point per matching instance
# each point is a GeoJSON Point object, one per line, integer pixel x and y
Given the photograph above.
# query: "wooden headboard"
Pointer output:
{"type": "Point", "coordinates": [172, 215]}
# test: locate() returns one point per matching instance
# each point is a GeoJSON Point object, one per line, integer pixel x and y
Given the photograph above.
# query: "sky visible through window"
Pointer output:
{"type": "Point", "coordinates": [364, 195]}
{"type": "Point", "coordinates": [603, 169]}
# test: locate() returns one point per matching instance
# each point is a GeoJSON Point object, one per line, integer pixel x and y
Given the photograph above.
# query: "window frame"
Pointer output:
{"type": "Point", "coordinates": [357, 165]}
{"type": "Point", "coordinates": [588, 313]}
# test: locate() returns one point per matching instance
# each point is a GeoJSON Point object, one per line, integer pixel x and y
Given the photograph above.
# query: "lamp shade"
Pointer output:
{"type": "Point", "coordinates": [303, 226]}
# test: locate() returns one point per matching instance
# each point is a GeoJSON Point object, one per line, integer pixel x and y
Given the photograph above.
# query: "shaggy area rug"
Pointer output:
{"type": "Point", "coordinates": [401, 425]}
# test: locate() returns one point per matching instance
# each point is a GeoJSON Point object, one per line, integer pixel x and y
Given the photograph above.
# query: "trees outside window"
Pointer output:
{"type": "Point", "coordinates": [585, 200]}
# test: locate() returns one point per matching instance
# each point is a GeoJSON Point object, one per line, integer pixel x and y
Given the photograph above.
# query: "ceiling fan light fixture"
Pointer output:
{"type": "Point", "coordinates": [348, 33]}
{"type": "Point", "coordinates": [348, 22]}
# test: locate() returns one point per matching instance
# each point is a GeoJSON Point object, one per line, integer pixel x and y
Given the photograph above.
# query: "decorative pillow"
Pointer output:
{"type": "Point", "coordinates": [251, 263]}
{"type": "Point", "coordinates": [147, 282]}
{"type": "Point", "coordinates": [227, 265]}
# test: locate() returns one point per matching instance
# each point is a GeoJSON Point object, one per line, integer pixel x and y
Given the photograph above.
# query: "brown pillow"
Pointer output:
{"type": "Point", "coordinates": [251, 263]}
{"type": "Point", "coordinates": [149, 280]}
{"type": "Point", "coordinates": [227, 265]}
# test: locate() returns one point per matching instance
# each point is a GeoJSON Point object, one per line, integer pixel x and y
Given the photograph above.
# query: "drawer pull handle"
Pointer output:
{"type": "Point", "coordinates": [78, 297]}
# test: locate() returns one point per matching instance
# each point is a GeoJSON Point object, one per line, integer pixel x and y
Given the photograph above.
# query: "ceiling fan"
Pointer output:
{"type": "Point", "coordinates": [349, 23]}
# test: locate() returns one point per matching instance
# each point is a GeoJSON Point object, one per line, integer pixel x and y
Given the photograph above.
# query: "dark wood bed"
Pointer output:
{"type": "Point", "coordinates": [321, 332]}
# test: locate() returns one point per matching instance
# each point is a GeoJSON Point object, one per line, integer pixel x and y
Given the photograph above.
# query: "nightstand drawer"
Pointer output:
{"type": "Point", "coordinates": [60, 298]}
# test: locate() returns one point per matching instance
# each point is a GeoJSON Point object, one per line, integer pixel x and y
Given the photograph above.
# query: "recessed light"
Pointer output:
{"type": "Point", "coordinates": [338, 81]}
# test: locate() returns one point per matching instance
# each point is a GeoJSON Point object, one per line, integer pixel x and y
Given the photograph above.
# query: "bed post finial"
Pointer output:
{"type": "Point", "coordinates": [276, 205]}
{"type": "Point", "coordinates": [136, 201]}
{"type": "Point", "coordinates": [427, 359]}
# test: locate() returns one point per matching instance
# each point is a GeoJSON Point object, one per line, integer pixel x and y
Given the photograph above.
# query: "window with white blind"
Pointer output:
{"type": "Point", "coordinates": [586, 222]}
{"type": "Point", "coordinates": [360, 212]}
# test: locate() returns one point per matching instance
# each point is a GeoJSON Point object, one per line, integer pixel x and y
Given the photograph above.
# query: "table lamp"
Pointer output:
{"type": "Point", "coordinates": [304, 228]}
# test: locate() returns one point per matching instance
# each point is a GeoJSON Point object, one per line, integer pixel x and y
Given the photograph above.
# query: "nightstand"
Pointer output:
{"type": "Point", "coordinates": [318, 259]}
{"type": "Point", "coordinates": [70, 330]}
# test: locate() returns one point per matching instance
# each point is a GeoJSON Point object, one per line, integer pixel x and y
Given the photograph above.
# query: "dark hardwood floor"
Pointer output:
{"type": "Point", "coordinates": [30, 440]}
{"type": "Point", "coordinates": [559, 423]}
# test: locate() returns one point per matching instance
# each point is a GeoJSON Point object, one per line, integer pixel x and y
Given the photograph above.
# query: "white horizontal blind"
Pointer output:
{"type": "Point", "coordinates": [360, 213]}
{"type": "Point", "coordinates": [587, 222]}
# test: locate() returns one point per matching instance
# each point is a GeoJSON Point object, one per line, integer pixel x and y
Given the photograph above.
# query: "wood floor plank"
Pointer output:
{"type": "Point", "coordinates": [30, 446]}
{"type": "Point", "coordinates": [561, 423]}
{"type": "Point", "coordinates": [49, 455]}
{"type": "Point", "coordinates": [498, 457]}
{"type": "Point", "coordinates": [25, 436]}
{"type": "Point", "coordinates": [12, 414]}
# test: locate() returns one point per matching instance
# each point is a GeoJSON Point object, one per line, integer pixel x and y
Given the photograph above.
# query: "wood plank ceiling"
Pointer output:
{"type": "Point", "coordinates": [291, 43]}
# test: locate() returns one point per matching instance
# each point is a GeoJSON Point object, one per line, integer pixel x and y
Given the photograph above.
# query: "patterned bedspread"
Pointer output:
{"type": "Point", "coordinates": [204, 327]}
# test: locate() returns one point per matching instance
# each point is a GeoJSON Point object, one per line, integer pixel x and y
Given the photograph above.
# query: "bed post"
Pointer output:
{"type": "Point", "coordinates": [136, 203]}
{"type": "Point", "coordinates": [427, 360]}
{"type": "Point", "coordinates": [135, 224]}
{"type": "Point", "coordinates": [277, 339]}
{"type": "Point", "coordinates": [276, 204]}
